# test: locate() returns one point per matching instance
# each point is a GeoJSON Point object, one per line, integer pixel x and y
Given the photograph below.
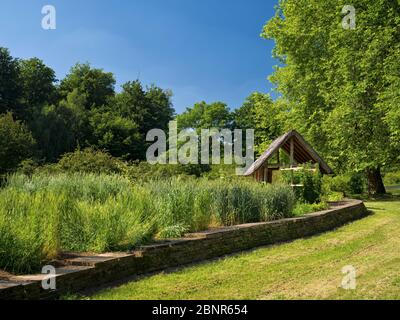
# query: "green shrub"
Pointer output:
{"type": "Point", "coordinates": [16, 143]}
{"type": "Point", "coordinates": [143, 171]}
{"type": "Point", "coordinates": [309, 181]}
{"type": "Point", "coordinates": [357, 183]}
{"type": "Point", "coordinates": [348, 184]}
{"type": "Point", "coordinates": [332, 196]}
{"type": "Point", "coordinates": [303, 208]}
{"type": "Point", "coordinates": [28, 167]}
{"type": "Point", "coordinates": [222, 171]}
{"type": "Point", "coordinates": [392, 178]}
{"type": "Point", "coordinates": [89, 161]}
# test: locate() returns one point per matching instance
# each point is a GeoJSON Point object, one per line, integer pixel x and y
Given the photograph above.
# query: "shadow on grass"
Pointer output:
{"type": "Point", "coordinates": [392, 195]}
{"type": "Point", "coordinates": [384, 198]}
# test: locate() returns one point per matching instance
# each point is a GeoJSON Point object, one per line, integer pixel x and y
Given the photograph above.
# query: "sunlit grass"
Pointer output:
{"type": "Point", "coordinates": [304, 269]}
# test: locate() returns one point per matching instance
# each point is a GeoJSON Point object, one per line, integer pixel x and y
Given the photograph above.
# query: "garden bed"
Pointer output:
{"type": "Point", "coordinates": [80, 271]}
{"type": "Point", "coordinates": [45, 215]}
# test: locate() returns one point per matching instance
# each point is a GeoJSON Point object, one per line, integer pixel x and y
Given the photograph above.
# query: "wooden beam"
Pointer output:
{"type": "Point", "coordinates": [266, 173]}
{"type": "Point", "coordinates": [292, 152]}
{"type": "Point", "coordinates": [278, 156]}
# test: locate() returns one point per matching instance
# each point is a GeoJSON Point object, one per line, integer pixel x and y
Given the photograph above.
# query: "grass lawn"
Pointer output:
{"type": "Point", "coordinates": [304, 269]}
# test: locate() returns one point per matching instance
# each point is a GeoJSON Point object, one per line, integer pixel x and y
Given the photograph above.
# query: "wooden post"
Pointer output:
{"type": "Point", "coordinates": [292, 152]}
{"type": "Point", "coordinates": [266, 173]}
{"type": "Point", "coordinates": [278, 157]}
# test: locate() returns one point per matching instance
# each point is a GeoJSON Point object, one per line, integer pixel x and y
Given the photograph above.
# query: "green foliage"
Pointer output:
{"type": "Point", "coordinates": [143, 171]}
{"type": "Point", "coordinates": [28, 167]}
{"type": "Point", "coordinates": [205, 116]}
{"type": "Point", "coordinates": [28, 229]}
{"type": "Point", "coordinates": [90, 161]}
{"type": "Point", "coordinates": [261, 113]}
{"type": "Point", "coordinates": [95, 84]}
{"type": "Point", "coordinates": [332, 196]}
{"type": "Point", "coordinates": [221, 172]}
{"type": "Point", "coordinates": [308, 184]}
{"type": "Point", "coordinates": [357, 183]}
{"type": "Point", "coordinates": [341, 85]}
{"type": "Point", "coordinates": [193, 205]}
{"type": "Point", "coordinates": [61, 128]}
{"type": "Point", "coordinates": [392, 178]}
{"type": "Point", "coordinates": [304, 208]}
{"type": "Point", "coordinates": [347, 184]}
{"type": "Point", "coordinates": [119, 136]}
{"type": "Point", "coordinates": [16, 143]}
{"type": "Point", "coordinates": [10, 87]}
{"type": "Point", "coordinates": [37, 82]}
{"type": "Point", "coordinates": [43, 215]}
{"type": "Point", "coordinates": [148, 109]}
{"type": "Point", "coordinates": [277, 202]}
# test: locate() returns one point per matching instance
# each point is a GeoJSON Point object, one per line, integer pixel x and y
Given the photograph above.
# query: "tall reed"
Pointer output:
{"type": "Point", "coordinates": [43, 215]}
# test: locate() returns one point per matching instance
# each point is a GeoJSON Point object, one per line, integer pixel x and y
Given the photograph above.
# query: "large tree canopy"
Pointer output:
{"type": "Point", "coordinates": [205, 116]}
{"type": "Point", "coordinates": [147, 108]}
{"type": "Point", "coordinates": [339, 82]}
{"type": "Point", "coordinates": [16, 143]}
{"type": "Point", "coordinates": [265, 116]}
{"type": "Point", "coordinates": [10, 87]}
{"type": "Point", "coordinates": [38, 84]}
{"type": "Point", "coordinates": [95, 84]}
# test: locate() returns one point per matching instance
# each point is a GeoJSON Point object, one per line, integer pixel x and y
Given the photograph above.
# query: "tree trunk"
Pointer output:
{"type": "Point", "coordinates": [375, 182]}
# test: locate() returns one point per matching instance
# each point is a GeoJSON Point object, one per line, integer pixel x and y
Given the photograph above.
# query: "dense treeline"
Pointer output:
{"type": "Point", "coordinates": [42, 118]}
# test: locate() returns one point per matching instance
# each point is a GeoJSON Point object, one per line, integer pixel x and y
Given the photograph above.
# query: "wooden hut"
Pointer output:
{"type": "Point", "coordinates": [299, 152]}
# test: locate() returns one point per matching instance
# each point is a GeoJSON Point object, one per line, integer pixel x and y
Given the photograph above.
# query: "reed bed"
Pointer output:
{"type": "Point", "coordinates": [44, 215]}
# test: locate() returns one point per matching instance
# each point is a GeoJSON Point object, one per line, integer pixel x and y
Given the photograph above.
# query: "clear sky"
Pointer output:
{"type": "Point", "coordinates": [200, 49]}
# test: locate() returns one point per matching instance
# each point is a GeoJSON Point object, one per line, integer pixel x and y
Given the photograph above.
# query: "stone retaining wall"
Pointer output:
{"type": "Point", "coordinates": [79, 272]}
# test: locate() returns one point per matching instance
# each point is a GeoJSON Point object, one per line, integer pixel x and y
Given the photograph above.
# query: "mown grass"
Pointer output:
{"type": "Point", "coordinates": [44, 215]}
{"type": "Point", "coordinates": [304, 269]}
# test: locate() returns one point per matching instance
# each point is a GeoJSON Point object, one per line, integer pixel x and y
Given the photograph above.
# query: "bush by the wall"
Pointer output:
{"type": "Point", "coordinates": [309, 181]}
{"type": "Point", "coordinates": [303, 208]}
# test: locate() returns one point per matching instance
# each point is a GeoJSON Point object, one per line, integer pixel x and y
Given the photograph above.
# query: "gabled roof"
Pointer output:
{"type": "Point", "coordinates": [303, 153]}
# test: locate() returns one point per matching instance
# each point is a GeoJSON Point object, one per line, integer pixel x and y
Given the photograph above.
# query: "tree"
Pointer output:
{"type": "Point", "coordinates": [62, 127]}
{"type": "Point", "coordinates": [10, 87]}
{"type": "Point", "coordinates": [336, 79]}
{"type": "Point", "coordinates": [95, 84]}
{"type": "Point", "coordinates": [160, 106]}
{"type": "Point", "coordinates": [205, 116]}
{"type": "Point", "coordinates": [115, 134]}
{"type": "Point", "coordinates": [263, 115]}
{"type": "Point", "coordinates": [16, 143]}
{"type": "Point", "coordinates": [37, 81]}
{"type": "Point", "coordinates": [146, 109]}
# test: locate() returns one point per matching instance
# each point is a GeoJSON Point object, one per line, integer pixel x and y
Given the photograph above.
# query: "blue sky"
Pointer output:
{"type": "Point", "coordinates": [200, 49]}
